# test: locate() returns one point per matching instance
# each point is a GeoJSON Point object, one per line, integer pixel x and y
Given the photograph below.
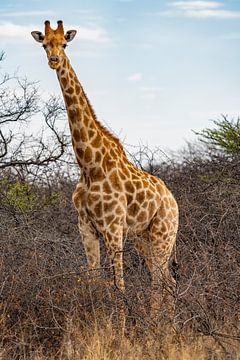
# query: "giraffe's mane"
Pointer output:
{"type": "Point", "coordinates": [104, 130]}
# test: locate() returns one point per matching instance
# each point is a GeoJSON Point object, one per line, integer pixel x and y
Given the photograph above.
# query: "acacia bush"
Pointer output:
{"type": "Point", "coordinates": [224, 137]}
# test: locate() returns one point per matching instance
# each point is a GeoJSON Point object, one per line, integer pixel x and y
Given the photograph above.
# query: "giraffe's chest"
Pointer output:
{"type": "Point", "coordinates": [101, 206]}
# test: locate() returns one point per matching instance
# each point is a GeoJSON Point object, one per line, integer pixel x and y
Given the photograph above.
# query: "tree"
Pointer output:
{"type": "Point", "coordinates": [21, 149]}
{"type": "Point", "coordinates": [224, 137]}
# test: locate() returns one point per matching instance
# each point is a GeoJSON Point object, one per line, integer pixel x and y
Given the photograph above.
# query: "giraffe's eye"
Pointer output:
{"type": "Point", "coordinates": [44, 46]}
{"type": "Point", "coordinates": [64, 46]}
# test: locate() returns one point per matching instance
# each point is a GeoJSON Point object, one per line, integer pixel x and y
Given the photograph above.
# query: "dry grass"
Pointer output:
{"type": "Point", "coordinates": [101, 342]}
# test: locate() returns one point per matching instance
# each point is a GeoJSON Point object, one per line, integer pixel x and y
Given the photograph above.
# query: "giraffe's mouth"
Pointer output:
{"type": "Point", "coordinates": [54, 64]}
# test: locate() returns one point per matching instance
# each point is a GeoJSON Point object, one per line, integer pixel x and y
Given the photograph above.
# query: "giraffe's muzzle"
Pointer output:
{"type": "Point", "coordinates": [54, 61]}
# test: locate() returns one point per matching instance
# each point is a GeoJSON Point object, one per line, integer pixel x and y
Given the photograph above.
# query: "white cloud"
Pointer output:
{"type": "Point", "coordinates": [27, 13]}
{"type": "Point", "coordinates": [12, 32]}
{"type": "Point", "coordinates": [196, 5]}
{"type": "Point", "coordinates": [199, 9]}
{"type": "Point", "coordinates": [135, 77]}
{"type": "Point", "coordinates": [95, 34]}
{"type": "Point", "coordinates": [220, 14]}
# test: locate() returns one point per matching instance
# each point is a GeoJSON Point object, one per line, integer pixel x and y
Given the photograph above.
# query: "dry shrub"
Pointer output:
{"type": "Point", "coordinates": [52, 308]}
{"type": "Point", "coordinates": [208, 193]}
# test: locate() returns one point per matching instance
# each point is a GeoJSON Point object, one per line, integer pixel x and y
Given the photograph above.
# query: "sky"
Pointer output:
{"type": "Point", "coordinates": [154, 70]}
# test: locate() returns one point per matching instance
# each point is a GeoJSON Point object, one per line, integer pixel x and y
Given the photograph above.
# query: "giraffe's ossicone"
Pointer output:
{"type": "Point", "coordinates": [113, 197]}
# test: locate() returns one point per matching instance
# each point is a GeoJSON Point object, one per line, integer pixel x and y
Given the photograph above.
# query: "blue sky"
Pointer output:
{"type": "Point", "coordinates": [153, 70]}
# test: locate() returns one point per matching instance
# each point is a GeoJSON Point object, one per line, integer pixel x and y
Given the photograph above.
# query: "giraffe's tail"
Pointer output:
{"type": "Point", "coordinates": [174, 264]}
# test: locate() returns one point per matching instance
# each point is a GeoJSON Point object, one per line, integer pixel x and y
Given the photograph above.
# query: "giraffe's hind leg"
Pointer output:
{"type": "Point", "coordinates": [163, 283]}
{"type": "Point", "coordinates": [162, 238]}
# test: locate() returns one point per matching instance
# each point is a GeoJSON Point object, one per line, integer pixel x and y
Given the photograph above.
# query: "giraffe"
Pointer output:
{"type": "Point", "coordinates": [113, 197]}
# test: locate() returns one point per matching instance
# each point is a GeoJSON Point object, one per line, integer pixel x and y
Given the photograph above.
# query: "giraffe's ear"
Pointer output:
{"type": "Point", "coordinates": [38, 36]}
{"type": "Point", "coordinates": [70, 34]}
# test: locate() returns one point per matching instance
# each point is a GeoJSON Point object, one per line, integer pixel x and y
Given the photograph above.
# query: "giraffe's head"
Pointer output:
{"type": "Point", "coordinates": [54, 42]}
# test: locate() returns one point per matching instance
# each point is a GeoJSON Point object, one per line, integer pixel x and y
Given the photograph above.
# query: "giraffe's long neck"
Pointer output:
{"type": "Point", "coordinates": [98, 152]}
{"type": "Point", "coordinates": [87, 134]}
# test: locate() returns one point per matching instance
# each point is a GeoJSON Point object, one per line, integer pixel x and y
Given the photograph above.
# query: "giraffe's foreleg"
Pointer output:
{"type": "Point", "coordinates": [114, 245]}
{"type": "Point", "coordinates": [88, 233]}
{"type": "Point", "coordinates": [90, 242]}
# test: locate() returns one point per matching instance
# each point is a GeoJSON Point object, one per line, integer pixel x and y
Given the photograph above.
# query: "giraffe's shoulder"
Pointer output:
{"type": "Point", "coordinates": [79, 194]}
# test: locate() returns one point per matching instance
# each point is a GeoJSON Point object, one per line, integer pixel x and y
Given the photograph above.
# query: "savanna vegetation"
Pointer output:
{"type": "Point", "coordinates": [51, 307]}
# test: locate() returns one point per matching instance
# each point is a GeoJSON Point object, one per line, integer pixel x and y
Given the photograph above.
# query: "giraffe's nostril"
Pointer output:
{"type": "Point", "coordinates": [54, 58]}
